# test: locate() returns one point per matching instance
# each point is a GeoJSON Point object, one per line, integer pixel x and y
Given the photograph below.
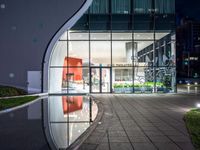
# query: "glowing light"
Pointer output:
{"type": "Point", "coordinates": [2, 6]}
{"type": "Point", "coordinates": [196, 83]}
{"type": "Point", "coordinates": [11, 75]}
{"type": "Point", "coordinates": [198, 105]}
{"type": "Point", "coordinates": [13, 28]}
{"type": "Point", "coordinates": [188, 84]}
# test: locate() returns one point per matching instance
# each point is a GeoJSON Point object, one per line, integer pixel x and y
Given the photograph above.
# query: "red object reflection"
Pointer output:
{"type": "Point", "coordinates": [72, 103]}
{"type": "Point", "coordinates": [77, 72]}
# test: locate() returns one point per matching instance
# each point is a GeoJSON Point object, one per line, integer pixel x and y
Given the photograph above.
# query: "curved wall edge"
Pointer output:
{"type": "Point", "coordinates": [49, 50]}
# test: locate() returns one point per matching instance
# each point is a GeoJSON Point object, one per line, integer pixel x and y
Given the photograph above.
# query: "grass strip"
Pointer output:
{"type": "Point", "coordinates": [12, 102]}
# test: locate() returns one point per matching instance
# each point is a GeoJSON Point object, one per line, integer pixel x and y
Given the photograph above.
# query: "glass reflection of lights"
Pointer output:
{"type": "Point", "coordinates": [67, 118]}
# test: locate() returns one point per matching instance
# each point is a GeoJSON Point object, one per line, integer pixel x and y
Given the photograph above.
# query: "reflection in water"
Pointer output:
{"type": "Point", "coordinates": [69, 117]}
{"type": "Point", "coordinates": [72, 103]}
{"type": "Point", "coordinates": [189, 89]}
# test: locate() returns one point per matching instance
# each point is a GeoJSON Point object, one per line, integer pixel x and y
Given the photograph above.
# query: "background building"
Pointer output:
{"type": "Point", "coordinates": [188, 49]}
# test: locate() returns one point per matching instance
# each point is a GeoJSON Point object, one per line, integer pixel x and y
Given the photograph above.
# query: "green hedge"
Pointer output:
{"type": "Point", "coordinates": [146, 84]}
{"type": "Point", "coordinates": [192, 119]}
{"type": "Point", "coordinates": [10, 91]}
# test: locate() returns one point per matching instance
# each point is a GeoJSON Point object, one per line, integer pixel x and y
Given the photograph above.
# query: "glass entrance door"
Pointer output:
{"type": "Point", "coordinates": [95, 80]}
{"type": "Point", "coordinates": [100, 79]}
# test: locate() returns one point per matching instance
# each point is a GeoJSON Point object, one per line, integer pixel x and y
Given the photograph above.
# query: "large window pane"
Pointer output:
{"type": "Point", "coordinates": [144, 53]}
{"type": "Point", "coordinates": [78, 35]}
{"type": "Point", "coordinates": [99, 7]}
{"type": "Point", "coordinates": [122, 36]}
{"type": "Point", "coordinates": [122, 53]}
{"type": "Point", "coordinates": [121, 6]}
{"type": "Point", "coordinates": [78, 80]}
{"type": "Point", "coordinates": [143, 22]}
{"type": "Point", "coordinates": [165, 6]}
{"type": "Point", "coordinates": [99, 22]}
{"type": "Point", "coordinates": [121, 22]}
{"type": "Point", "coordinates": [100, 53]}
{"type": "Point", "coordinates": [165, 50]}
{"type": "Point", "coordinates": [142, 6]}
{"type": "Point", "coordinates": [165, 79]}
{"type": "Point", "coordinates": [145, 35]}
{"type": "Point", "coordinates": [78, 54]}
{"type": "Point", "coordinates": [59, 53]}
{"type": "Point", "coordinates": [56, 80]}
{"type": "Point", "coordinates": [122, 79]}
{"type": "Point", "coordinates": [100, 36]}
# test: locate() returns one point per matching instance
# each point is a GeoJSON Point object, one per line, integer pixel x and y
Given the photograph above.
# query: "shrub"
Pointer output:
{"type": "Point", "coordinates": [10, 91]}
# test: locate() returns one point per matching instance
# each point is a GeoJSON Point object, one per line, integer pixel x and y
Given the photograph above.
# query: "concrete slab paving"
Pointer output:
{"type": "Point", "coordinates": [144, 122]}
{"type": "Point", "coordinates": [129, 122]}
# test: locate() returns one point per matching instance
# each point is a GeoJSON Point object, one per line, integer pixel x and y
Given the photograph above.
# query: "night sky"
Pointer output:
{"type": "Point", "coordinates": [190, 8]}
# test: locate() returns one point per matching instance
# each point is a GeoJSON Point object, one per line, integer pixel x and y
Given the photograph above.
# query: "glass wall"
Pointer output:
{"type": "Point", "coordinates": [118, 46]}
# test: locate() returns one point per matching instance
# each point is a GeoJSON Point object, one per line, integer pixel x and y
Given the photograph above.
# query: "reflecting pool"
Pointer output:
{"type": "Point", "coordinates": [66, 118]}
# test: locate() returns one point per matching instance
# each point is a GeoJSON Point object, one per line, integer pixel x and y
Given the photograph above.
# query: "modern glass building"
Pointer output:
{"type": "Point", "coordinates": [117, 46]}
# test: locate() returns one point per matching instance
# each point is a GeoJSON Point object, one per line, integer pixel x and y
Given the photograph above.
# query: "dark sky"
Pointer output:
{"type": "Point", "coordinates": [190, 8]}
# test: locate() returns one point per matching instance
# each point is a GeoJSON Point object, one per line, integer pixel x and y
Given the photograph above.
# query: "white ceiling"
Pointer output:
{"type": "Point", "coordinates": [100, 50]}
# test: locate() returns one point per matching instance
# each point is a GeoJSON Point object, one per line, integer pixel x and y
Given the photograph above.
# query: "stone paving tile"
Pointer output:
{"type": "Point", "coordinates": [165, 128]}
{"type": "Point", "coordinates": [149, 129]}
{"type": "Point", "coordinates": [179, 138]}
{"type": "Point", "coordinates": [153, 133]}
{"type": "Point", "coordinates": [133, 128]}
{"type": "Point", "coordinates": [139, 139]}
{"type": "Point", "coordinates": [185, 145]}
{"type": "Point", "coordinates": [88, 147]}
{"type": "Point", "coordinates": [116, 133]}
{"type": "Point", "coordinates": [167, 146]}
{"type": "Point", "coordinates": [173, 132]}
{"type": "Point", "coordinates": [103, 146]}
{"type": "Point", "coordinates": [146, 125]}
{"type": "Point", "coordinates": [144, 146]}
{"type": "Point", "coordinates": [159, 138]}
{"type": "Point", "coordinates": [119, 139]}
{"type": "Point", "coordinates": [116, 129]}
{"type": "Point", "coordinates": [94, 140]}
{"type": "Point", "coordinates": [135, 133]}
{"type": "Point", "coordinates": [121, 146]}
{"type": "Point", "coordinates": [141, 123]}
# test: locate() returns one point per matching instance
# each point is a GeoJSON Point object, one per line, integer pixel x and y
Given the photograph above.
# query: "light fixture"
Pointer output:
{"type": "Point", "coordinates": [198, 105]}
{"type": "Point", "coordinates": [138, 35]}
{"type": "Point", "coordinates": [188, 84]}
{"type": "Point", "coordinates": [196, 83]}
{"type": "Point", "coordinates": [2, 6]}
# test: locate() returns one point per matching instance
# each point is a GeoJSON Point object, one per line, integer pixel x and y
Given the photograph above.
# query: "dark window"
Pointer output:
{"type": "Point", "coordinates": [99, 7]}
{"type": "Point", "coordinates": [121, 6]}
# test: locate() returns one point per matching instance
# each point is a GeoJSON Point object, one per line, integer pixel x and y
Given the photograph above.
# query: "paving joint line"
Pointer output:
{"type": "Point", "coordinates": [164, 120]}
{"type": "Point", "coordinates": [153, 125]}
{"type": "Point", "coordinates": [121, 124]}
{"type": "Point", "coordinates": [140, 127]}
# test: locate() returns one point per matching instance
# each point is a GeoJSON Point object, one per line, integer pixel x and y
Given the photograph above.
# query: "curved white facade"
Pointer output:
{"type": "Point", "coordinates": [55, 57]}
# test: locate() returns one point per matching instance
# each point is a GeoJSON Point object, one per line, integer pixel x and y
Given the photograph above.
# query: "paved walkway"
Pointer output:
{"type": "Point", "coordinates": [142, 122]}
